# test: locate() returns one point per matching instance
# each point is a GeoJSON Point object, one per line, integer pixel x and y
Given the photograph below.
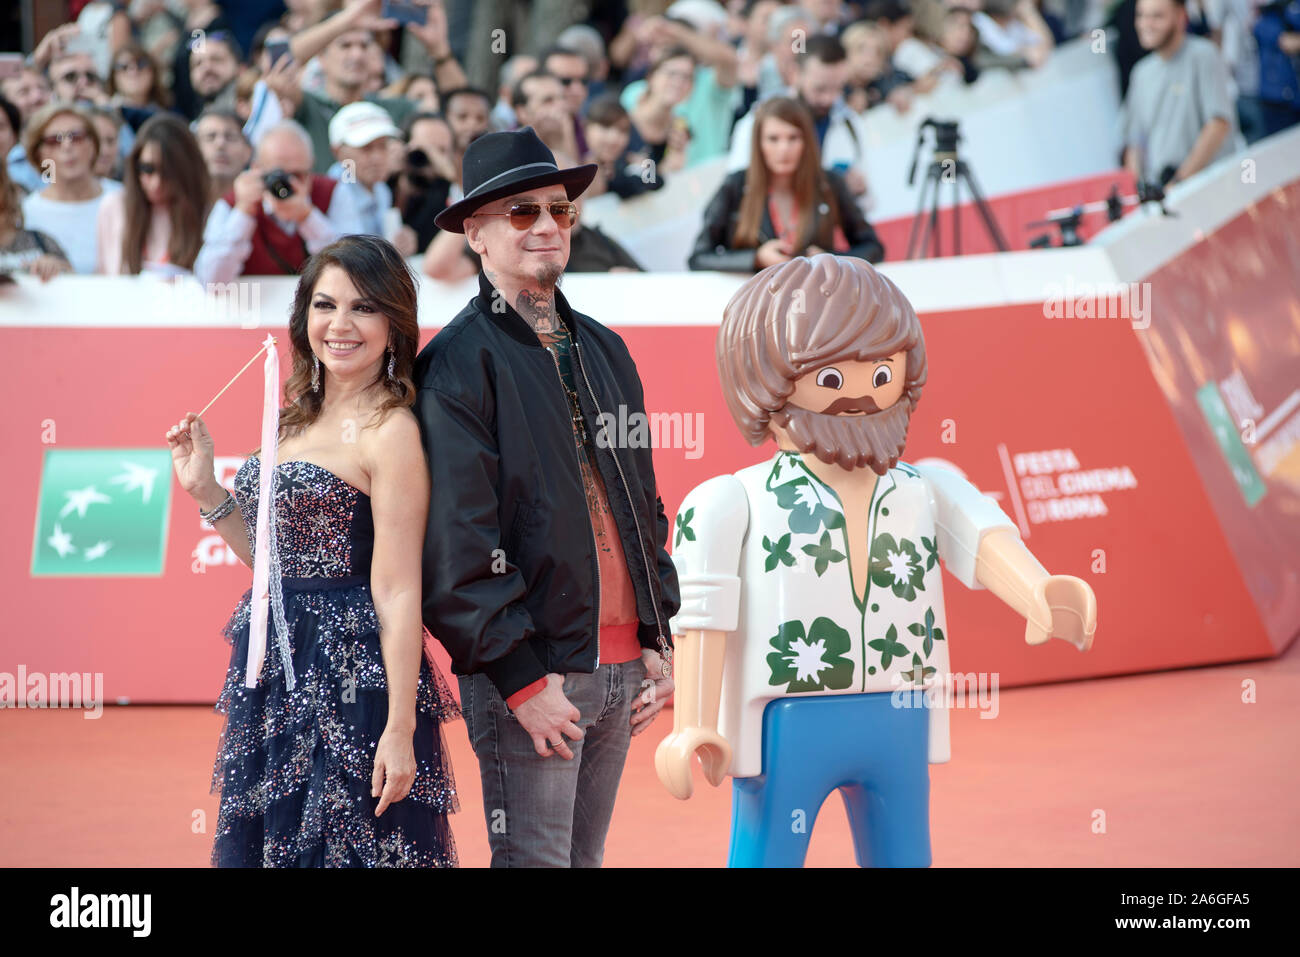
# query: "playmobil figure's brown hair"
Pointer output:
{"type": "Point", "coordinates": [796, 317]}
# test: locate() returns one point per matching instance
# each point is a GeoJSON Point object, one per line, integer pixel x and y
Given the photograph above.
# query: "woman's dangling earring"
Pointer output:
{"type": "Point", "coordinates": [315, 373]}
{"type": "Point", "coordinates": [392, 360]}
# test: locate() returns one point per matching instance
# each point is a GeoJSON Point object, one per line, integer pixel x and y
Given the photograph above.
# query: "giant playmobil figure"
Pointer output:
{"type": "Point", "coordinates": [812, 613]}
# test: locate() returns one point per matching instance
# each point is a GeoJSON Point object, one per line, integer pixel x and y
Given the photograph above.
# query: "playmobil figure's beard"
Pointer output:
{"type": "Point", "coordinates": [873, 441]}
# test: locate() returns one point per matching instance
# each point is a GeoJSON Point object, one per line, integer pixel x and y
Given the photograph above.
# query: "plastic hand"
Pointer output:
{"type": "Point", "coordinates": [1064, 607]}
{"type": "Point", "coordinates": [676, 754]}
{"type": "Point", "coordinates": [655, 691]}
{"type": "Point", "coordinates": [394, 768]}
{"type": "Point", "coordinates": [548, 716]}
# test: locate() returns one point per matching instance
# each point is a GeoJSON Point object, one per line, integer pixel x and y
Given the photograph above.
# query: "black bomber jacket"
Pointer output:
{"type": "Point", "coordinates": [510, 571]}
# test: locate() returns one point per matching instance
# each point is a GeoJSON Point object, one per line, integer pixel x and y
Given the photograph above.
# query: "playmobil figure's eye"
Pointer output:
{"type": "Point", "coordinates": [882, 376]}
{"type": "Point", "coordinates": [830, 378]}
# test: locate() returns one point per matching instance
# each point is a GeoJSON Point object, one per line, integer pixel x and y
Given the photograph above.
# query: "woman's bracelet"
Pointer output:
{"type": "Point", "coordinates": [219, 512]}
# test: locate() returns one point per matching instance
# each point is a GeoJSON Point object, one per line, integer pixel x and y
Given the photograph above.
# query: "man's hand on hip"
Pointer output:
{"type": "Point", "coordinates": [548, 716]}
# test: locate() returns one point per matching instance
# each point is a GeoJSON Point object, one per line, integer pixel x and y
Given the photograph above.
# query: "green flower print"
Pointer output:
{"type": "Point", "coordinates": [779, 552]}
{"type": "Point", "coordinates": [896, 565]}
{"type": "Point", "coordinates": [919, 673]}
{"type": "Point", "coordinates": [824, 553]}
{"type": "Point", "coordinates": [889, 647]}
{"type": "Point", "coordinates": [931, 552]}
{"type": "Point", "coordinates": [926, 628]}
{"type": "Point", "coordinates": [812, 662]}
{"type": "Point", "coordinates": [684, 529]}
{"type": "Point", "coordinates": [809, 506]}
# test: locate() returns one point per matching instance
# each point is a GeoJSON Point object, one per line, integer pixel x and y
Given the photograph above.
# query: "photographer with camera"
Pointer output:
{"type": "Point", "coordinates": [422, 187]}
{"type": "Point", "coordinates": [277, 214]}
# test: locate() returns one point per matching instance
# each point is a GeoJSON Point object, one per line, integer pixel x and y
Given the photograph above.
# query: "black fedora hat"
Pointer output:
{"type": "Point", "coordinates": [502, 164]}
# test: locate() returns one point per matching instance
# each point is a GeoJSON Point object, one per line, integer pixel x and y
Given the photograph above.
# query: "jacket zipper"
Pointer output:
{"type": "Point", "coordinates": [595, 546]}
{"type": "Point", "coordinates": [665, 652]}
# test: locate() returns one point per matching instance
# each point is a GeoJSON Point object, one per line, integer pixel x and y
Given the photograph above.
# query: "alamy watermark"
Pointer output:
{"type": "Point", "coordinates": [58, 689]}
{"type": "Point", "coordinates": [1130, 301]}
{"type": "Point", "coordinates": [76, 909]}
{"type": "Point", "coordinates": [658, 430]}
{"type": "Point", "coordinates": [978, 690]}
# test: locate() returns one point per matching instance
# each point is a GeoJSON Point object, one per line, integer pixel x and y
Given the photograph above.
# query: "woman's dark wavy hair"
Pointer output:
{"type": "Point", "coordinates": [381, 276]}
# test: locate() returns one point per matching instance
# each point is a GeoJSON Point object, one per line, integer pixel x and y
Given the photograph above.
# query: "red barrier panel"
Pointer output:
{"type": "Point", "coordinates": [1100, 461]}
{"type": "Point", "coordinates": [1227, 358]}
{"type": "Point", "coordinates": [1012, 212]}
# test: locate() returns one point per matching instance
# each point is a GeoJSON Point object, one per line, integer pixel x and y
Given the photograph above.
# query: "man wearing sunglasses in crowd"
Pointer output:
{"type": "Point", "coordinates": [276, 215]}
{"type": "Point", "coordinates": [545, 570]}
{"type": "Point", "coordinates": [570, 68]}
{"type": "Point", "coordinates": [74, 79]}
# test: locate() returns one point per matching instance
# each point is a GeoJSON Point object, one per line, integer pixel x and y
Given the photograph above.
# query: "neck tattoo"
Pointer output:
{"type": "Point", "coordinates": [537, 309]}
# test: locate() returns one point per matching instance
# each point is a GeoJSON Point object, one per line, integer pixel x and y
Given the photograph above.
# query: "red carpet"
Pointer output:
{"type": "Point", "coordinates": [1160, 769]}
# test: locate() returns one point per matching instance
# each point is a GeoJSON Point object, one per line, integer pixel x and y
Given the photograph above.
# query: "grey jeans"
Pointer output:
{"type": "Point", "coordinates": [549, 812]}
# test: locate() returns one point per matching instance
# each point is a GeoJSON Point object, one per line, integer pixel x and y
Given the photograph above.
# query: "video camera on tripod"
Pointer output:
{"type": "Point", "coordinates": [946, 166]}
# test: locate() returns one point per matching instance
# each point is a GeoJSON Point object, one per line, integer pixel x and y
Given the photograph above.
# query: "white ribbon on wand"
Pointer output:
{"type": "Point", "coordinates": [266, 600]}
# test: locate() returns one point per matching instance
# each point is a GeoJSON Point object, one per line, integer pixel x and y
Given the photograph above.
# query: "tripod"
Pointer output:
{"type": "Point", "coordinates": [945, 166]}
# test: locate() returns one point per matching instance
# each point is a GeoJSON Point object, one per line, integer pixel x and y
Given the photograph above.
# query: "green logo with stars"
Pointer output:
{"type": "Point", "coordinates": [102, 512]}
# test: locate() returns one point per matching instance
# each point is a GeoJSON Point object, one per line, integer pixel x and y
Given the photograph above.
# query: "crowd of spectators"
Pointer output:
{"type": "Point", "coordinates": [190, 136]}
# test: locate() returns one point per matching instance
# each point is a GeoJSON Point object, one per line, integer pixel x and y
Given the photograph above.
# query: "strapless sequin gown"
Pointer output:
{"type": "Point", "coordinates": [293, 768]}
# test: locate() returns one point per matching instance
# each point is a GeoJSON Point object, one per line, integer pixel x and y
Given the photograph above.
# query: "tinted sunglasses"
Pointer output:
{"type": "Point", "coordinates": [147, 169]}
{"type": "Point", "coordinates": [523, 215]}
{"type": "Point", "coordinates": [70, 136]}
{"type": "Point", "coordinates": [72, 76]}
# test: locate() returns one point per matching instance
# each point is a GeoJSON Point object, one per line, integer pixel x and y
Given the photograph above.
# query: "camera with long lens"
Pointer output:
{"type": "Point", "coordinates": [278, 184]}
{"type": "Point", "coordinates": [419, 171]}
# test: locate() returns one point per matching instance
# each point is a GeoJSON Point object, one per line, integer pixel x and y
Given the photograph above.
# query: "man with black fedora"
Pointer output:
{"type": "Point", "coordinates": [546, 574]}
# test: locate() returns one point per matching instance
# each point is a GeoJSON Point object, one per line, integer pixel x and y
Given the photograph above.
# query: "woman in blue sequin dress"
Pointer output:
{"type": "Point", "coordinates": [335, 758]}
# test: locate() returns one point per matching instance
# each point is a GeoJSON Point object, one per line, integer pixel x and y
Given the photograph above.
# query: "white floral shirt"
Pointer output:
{"type": "Point", "coordinates": [762, 555]}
